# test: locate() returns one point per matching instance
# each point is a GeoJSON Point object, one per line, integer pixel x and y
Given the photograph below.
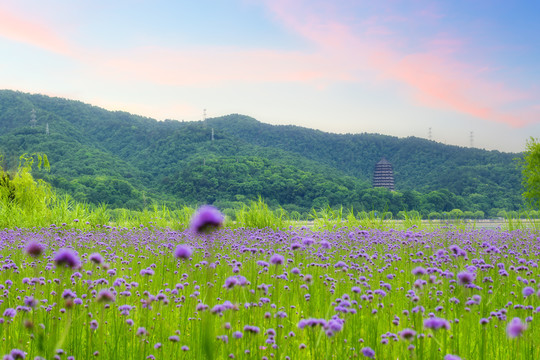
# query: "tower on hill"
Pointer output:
{"type": "Point", "coordinates": [383, 176]}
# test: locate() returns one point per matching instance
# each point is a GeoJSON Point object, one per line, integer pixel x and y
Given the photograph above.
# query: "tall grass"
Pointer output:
{"type": "Point", "coordinates": [258, 215]}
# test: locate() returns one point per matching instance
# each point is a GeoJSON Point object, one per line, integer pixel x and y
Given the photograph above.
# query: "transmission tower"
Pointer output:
{"type": "Point", "coordinates": [33, 120]}
{"type": "Point", "coordinates": [472, 139]}
{"type": "Point", "coordinates": [212, 134]}
{"type": "Point", "coordinates": [429, 134]}
{"type": "Point", "coordinates": [47, 129]}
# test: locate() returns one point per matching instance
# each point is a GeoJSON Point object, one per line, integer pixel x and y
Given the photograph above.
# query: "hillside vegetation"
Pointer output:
{"type": "Point", "coordinates": [128, 161]}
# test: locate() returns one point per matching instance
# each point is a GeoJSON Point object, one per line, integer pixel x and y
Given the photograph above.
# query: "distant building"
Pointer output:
{"type": "Point", "coordinates": [383, 176]}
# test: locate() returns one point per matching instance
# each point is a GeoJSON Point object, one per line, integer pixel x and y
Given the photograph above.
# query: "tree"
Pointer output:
{"type": "Point", "coordinates": [530, 169]}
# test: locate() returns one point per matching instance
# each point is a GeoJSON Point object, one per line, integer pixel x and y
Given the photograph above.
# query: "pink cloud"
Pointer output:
{"type": "Point", "coordinates": [434, 76]}
{"type": "Point", "coordinates": [16, 28]}
{"type": "Point", "coordinates": [203, 67]}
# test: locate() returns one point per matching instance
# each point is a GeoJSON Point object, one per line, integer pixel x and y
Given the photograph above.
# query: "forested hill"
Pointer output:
{"type": "Point", "coordinates": [418, 164]}
{"type": "Point", "coordinates": [130, 161]}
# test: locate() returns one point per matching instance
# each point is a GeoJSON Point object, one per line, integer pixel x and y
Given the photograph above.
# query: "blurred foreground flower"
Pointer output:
{"type": "Point", "coordinates": [206, 219]}
{"type": "Point", "coordinates": [67, 257]}
{"type": "Point", "coordinates": [515, 327]}
{"type": "Point", "coordinates": [34, 249]}
{"type": "Point", "coordinates": [183, 251]}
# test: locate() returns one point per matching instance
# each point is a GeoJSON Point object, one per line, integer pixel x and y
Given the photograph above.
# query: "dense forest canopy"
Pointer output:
{"type": "Point", "coordinates": [99, 156]}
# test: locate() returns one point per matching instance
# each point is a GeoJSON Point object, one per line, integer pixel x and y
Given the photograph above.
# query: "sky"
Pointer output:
{"type": "Point", "coordinates": [459, 72]}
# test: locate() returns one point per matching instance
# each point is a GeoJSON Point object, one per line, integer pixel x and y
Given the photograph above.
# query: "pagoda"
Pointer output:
{"type": "Point", "coordinates": [383, 176]}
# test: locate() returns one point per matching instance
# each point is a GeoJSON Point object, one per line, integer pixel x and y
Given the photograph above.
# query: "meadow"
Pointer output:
{"type": "Point", "coordinates": [81, 290]}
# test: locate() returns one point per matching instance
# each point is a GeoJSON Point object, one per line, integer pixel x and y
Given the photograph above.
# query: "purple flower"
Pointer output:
{"type": "Point", "coordinates": [436, 323]}
{"type": "Point", "coordinates": [407, 334]}
{"type": "Point", "coordinates": [368, 352]}
{"type": "Point", "coordinates": [10, 312]}
{"type": "Point", "coordinates": [528, 291]}
{"type": "Point", "coordinates": [185, 348]}
{"type": "Point", "coordinates": [174, 338]}
{"type": "Point", "coordinates": [252, 329]}
{"type": "Point", "coordinates": [141, 331]}
{"type": "Point", "coordinates": [183, 252]}
{"type": "Point", "coordinates": [105, 296]}
{"type": "Point", "coordinates": [418, 271]}
{"type": "Point", "coordinates": [34, 249]}
{"type": "Point", "coordinates": [93, 324]}
{"type": "Point", "coordinates": [277, 259]}
{"type": "Point", "coordinates": [230, 282]}
{"type": "Point", "coordinates": [206, 219]}
{"type": "Point", "coordinates": [67, 257]}
{"type": "Point", "coordinates": [17, 354]}
{"type": "Point", "coordinates": [311, 323]}
{"type": "Point", "coordinates": [465, 278]}
{"type": "Point", "coordinates": [452, 357]}
{"type": "Point", "coordinates": [68, 294]}
{"type": "Point", "coordinates": [325, 244]}
{"type": "Point", "coordinates": [515, 328]}
{"type": "Point", "coordinates": [30, 301]}
{"type": "Point", "coordinates": [96, 258]}
{"type": "Point", "coordinates": [237, 335]}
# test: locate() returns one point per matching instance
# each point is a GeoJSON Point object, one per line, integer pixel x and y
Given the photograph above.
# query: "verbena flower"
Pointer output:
{"type": "Point", "coordinates": [251, 329]}
{"type": "Point", "coordinates": [436, 323]}
{"type": "Point", "coordinates": [528, 291]}
{"type": "Point", "coordinates": [105, 296]}
{"type": "Point", "coordinates": [96, 258]}
{"type": "Point", "coordinates": [141, 331]}
{"type": "Point", "coordinates": [10, 312]}
{"type": "Point", "coordinates": [34, 249]}
{"type": "Point", "coordinates": [407, 334]}
{"type": "Point", "coordinates": [465, 278]}
{"type": "Point", "coordinates": [183, 252]}
{"type": "Point", "coordinates": [17, 354]}
{"type": "Point", "coordinates": [67, 257]}
{"type": "Point", "coordinates": [368, 352]}
{"type": "Point", "coordinates": [206, 219]}
{"type": "Point", "coordinates": [451, 357]}
{"type": "Point", "coordinates": [515, 328]}
{"type": "Point", "coordinates": [277, 259]}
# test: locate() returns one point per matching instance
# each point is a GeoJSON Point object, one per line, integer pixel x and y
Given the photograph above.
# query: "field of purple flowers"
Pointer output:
{"type": "Point", "coordinates": [118, 293]}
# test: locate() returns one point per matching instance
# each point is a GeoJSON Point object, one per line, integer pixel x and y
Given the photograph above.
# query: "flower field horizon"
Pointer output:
{"type": "Point", "coordinates": [156, 293]}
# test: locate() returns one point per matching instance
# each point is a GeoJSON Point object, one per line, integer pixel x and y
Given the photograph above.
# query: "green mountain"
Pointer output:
{"type": "Point", "coordinates": [132, 161]}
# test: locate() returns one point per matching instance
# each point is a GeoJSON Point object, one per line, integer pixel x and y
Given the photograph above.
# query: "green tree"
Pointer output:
{"type": "Point", "coordinates": [530, 166]}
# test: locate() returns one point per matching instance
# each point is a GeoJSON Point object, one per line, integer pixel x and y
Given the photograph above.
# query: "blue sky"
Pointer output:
{"type": "Point", "coordinates": [392, 67]}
